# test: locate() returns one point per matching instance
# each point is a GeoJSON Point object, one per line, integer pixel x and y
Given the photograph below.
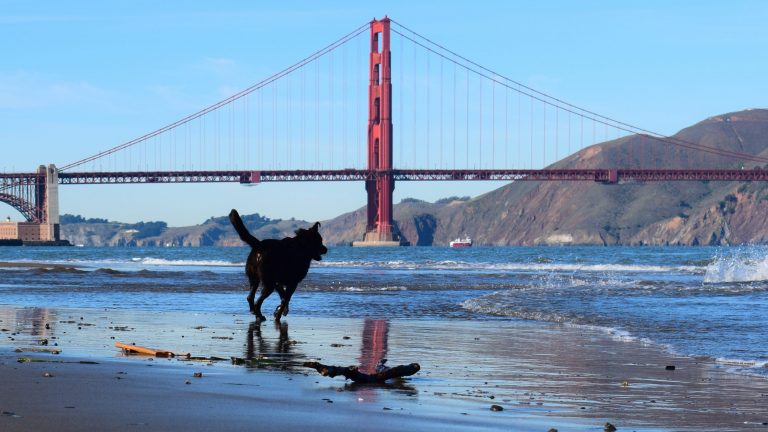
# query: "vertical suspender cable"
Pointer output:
{"type": "Point", "coordinates": [317, 114]}
{"type": "Point", "coordinates": [454, 116]}
{"type": "Point", "coordinates": [569, 133]}
{"type": "Point", "coordinates": [506, 127]}
{"type": "Point", "coordinates": [466, 161]}
{"type": "Point", "coordinates": [331, 106]}
{"type": "Point", "coordinates": [557, 133]}
{"type": "Point", "coordinates": [400, 123]}
{"type": "Point", "coordinates": [441, 115]}
{"type": "Point", "coordinates": [303, 117]}
{"type": "Point", "coordinates": [429, 82]}
{"type": "Point", "coordinates": [544, 136]}
{"type": "Point", "coordinates": [359, 98]}
{"type": "Point", "coordinates": [274, 126]}
{"type": "Point", "coordinates": [480, 121]}
{"type": "Point", "coordinates": [344, 104]}
{"type": "Point", "coordinates": [415, 102]}
{"type": "Point", "coordinates": [519, 130]}
{"type": "Point", "coordinates": [531, 132]}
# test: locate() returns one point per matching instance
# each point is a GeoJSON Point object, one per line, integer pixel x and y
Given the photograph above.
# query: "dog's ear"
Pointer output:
{"type": "Point", "coordinates": [315, 227]}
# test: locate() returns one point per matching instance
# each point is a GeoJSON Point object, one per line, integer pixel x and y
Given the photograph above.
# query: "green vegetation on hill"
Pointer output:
{"type": "Point", "coordinates": [73, 219]}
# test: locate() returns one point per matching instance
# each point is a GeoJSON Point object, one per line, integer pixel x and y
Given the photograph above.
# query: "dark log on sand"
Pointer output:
{"type": "Point", "coordinates": [352, 372]}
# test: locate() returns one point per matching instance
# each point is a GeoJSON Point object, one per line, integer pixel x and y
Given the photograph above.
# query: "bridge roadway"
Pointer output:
{"type": "Point", "coordinates": [602, 175]}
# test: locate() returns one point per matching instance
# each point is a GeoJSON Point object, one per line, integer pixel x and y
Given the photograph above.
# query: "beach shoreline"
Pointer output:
{"type": "Point", "coordinates": [542, 375]}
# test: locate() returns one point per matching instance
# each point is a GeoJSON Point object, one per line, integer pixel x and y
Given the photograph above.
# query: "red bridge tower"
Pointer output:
{"type": "Point", "coordinates": [379, 227]}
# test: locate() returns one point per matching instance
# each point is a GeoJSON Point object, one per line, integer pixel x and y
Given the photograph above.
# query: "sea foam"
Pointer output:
{"type": "Point", "coordinates": [741, 265]}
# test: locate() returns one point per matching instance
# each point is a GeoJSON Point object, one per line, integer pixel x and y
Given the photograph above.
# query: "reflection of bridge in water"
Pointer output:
{"type": "Point", "coordinates": [457, 121]}
{"type": "Point", "coordinates": [373, 345]}
{"type": "Point", "coordinates": [29, 326]}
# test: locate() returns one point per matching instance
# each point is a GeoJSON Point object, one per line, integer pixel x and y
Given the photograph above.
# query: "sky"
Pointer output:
{"type": "Point", "coordinates": [80, 77]}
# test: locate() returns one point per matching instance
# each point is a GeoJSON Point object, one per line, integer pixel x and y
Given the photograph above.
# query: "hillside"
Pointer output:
{"type": "Point", "coordinates": [544, 213]}
{"type": "Point", "coordinates": [213, 232]}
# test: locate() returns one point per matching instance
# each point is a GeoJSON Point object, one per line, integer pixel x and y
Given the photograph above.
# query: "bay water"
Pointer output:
{"type": "Point", "coordinates": [702, 302]}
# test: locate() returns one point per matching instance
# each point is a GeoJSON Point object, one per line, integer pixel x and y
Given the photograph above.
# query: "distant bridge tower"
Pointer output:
{"type": "Point", "coordinates": [48, 203]}
{"type": "Point", "coordinates": [379, 227]}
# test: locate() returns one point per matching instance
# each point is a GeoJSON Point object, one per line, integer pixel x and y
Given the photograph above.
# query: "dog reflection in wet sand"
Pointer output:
{"type": "Point", "coordinates": [278, 265]}
{"type": "Point", "coordinates": [281, 350]}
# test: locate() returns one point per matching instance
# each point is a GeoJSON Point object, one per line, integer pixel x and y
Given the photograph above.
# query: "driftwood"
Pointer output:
{"type": "Point", "coordinates": [353, 373]}
{"type": "Point", "coordinates": [135, 349]}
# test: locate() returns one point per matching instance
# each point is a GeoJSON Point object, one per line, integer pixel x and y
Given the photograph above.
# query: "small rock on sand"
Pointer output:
{"type": "Point", "coordinates": [497, 408]}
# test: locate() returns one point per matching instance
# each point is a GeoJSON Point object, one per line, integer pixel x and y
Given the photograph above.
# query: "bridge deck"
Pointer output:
{"type": "Point", "coordinates": [247, 177]}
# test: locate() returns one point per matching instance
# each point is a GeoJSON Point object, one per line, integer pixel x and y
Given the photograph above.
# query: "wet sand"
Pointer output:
{"type": "Point", "coordinates": [543, 376]}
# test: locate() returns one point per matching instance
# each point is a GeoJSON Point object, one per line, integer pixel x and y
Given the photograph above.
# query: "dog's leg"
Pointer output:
{"type": "Point", "coordinates": [283, 308]}
{"type": "Point", "coordinates": [254, 286]}
{"type": "Point", "coordinates": [279, 309]}
{"type": "Point", "coordinates": [266, 290]}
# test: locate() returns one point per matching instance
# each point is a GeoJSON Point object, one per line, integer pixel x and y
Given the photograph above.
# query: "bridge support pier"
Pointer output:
{"type": "Point", "coordinates": [50, 204]}
{"type": "Point", "coordinates": [380, 226]}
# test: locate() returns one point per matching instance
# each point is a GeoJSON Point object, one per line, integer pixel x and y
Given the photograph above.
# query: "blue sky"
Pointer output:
{"type": "Point", "coordinates": [79, 77]}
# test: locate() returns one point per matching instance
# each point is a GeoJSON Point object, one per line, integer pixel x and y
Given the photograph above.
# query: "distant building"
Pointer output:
{"type": "Point", "coordinates": [27, 231]}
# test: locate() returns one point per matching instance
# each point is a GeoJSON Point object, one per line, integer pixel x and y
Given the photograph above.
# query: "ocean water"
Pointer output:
{"type": "Point", "coordinates": [702, 302]}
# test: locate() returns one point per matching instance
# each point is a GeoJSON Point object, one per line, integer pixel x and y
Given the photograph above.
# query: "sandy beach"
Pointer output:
{"type": "Point", "coordinates": [543, 376]}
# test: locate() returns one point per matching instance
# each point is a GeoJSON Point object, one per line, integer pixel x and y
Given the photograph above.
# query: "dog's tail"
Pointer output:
{"type": "Point", "coordinates": [242, 231]}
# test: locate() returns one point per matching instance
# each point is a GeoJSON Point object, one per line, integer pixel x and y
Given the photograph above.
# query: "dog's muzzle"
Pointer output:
{"type": "Point", "coordinates": [319, 256]}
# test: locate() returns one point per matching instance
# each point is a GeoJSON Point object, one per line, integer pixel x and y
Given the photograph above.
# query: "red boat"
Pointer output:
{"type": "Point", "coordinates": [461, 242]}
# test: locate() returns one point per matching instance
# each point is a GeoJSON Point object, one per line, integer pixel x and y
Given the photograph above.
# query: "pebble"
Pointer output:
{"type": "Point", "coordinates": [48, 375]}
{"type": "Point", "coordinates": [198, 375]}
{"type": "Point", "coordinates": [670, 367]}
{"type": "Point", "coordinates": [497, 408]}
{"type": "Point", "coordinates": [609, 428]}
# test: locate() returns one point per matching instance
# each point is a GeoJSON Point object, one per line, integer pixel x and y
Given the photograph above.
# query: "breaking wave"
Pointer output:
{"type": "Point", "coordinates": [739, 265]}
{"type": "Point", "coordinates": [521, 267]}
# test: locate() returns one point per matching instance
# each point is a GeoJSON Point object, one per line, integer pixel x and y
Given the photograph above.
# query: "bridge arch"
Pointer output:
{"type": "Point", "coordinates": [26, 208]}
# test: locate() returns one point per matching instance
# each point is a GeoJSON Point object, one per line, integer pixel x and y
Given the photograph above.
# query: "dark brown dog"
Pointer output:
{"type": "Point", "coordinates": [278, 264]}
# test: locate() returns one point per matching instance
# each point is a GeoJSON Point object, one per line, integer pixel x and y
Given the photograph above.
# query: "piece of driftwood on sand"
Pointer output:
{"type": "Point", "coordinates": [354, 374]}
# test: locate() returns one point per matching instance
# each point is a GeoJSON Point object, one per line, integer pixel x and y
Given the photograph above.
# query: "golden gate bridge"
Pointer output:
{"type": "Point", "coordinates": [456, 121]}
